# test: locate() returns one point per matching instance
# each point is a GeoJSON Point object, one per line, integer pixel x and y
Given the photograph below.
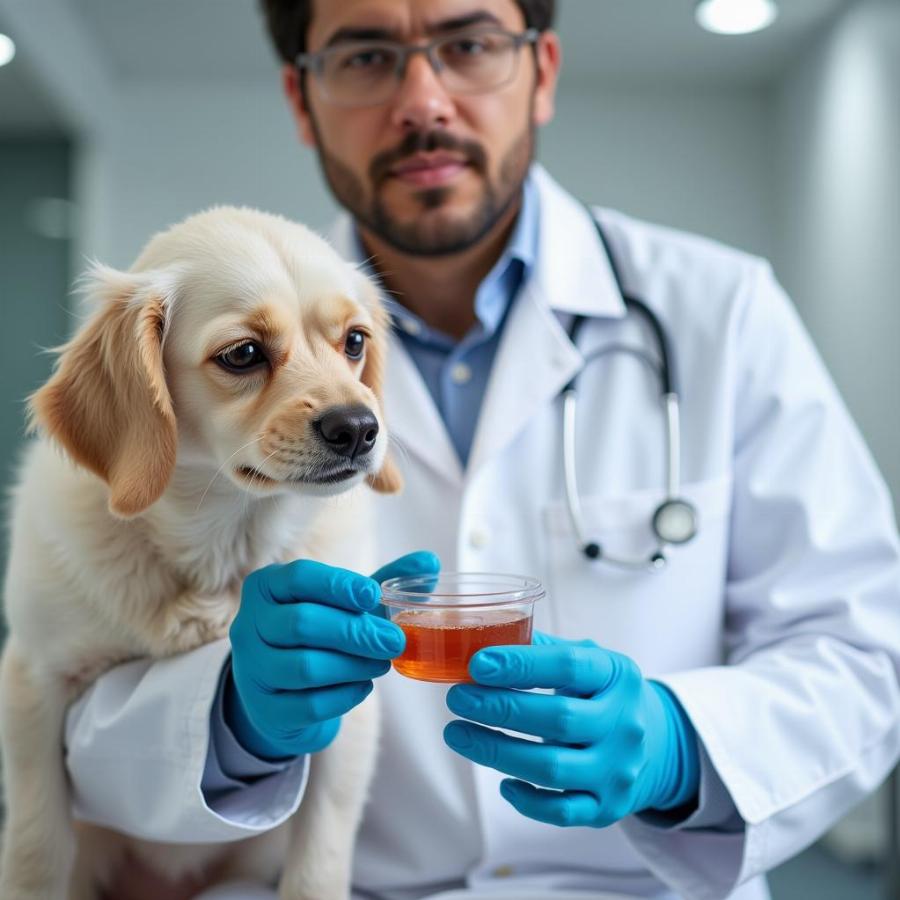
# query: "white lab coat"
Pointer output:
{"type": "Point", "coordinates": [778, 627]}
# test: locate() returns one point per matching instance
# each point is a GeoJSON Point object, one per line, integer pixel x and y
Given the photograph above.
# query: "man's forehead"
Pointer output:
{"type": "Point", "coordinates": [402, 18]}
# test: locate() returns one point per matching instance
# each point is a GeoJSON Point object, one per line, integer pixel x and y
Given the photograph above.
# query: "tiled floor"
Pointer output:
{"type": "Point", "coordinates": [816, 875]}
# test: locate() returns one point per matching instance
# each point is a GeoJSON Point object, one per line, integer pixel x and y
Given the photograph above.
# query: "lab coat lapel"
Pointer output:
{"type": "Point", "coordinates": [534, 361]}
{"type": "Point", "coordinates": [535, 358]}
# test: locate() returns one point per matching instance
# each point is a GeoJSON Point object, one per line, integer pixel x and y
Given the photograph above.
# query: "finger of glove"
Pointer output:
{"type": "Point", "coordinates": [284, 712]}
{"type": "Point", "coordinates": [554, 717]}
{"type": "Point", "coordinates": [545, 764]}
{"type": "Point", "coordinates": [327, 628]}
{"type": "Point", "coordinates": [300, 669]}
{"type": "Point", "coordinates": [421, 562]}
{"type": "Point", "coordinates": [572, 668]}
{"type": "Point", "coordinates": [565, 809]}
{"type": "Point", "coordinates": [306, 579]}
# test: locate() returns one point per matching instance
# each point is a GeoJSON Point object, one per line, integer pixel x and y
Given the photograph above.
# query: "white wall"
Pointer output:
{"type": "Point", "coordinates": [838, 248]}
{"type": "Point", "coordinates": [178, 149]}
{"type": "Point", "coordinates": [683, 156]}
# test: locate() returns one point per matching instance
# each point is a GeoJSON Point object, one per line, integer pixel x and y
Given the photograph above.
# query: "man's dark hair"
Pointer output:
{"type": "Point", "coordinates": [288, 20]}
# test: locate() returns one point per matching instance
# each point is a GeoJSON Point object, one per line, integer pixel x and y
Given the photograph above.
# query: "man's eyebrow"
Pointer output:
{"type": "Point", "coordinates": [349, 33]}
{"type": "Point", "coordinates": [481, 17]}
{"type": "Point", "coordinates": [359, 34]}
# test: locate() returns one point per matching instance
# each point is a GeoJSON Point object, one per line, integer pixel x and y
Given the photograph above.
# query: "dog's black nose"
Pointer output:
{"type": "Point", "coordinates": [348, 430]}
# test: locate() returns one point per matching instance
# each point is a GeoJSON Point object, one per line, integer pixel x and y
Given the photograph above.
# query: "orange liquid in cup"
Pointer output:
{"type": "Point", "coordinates": [439, 644]}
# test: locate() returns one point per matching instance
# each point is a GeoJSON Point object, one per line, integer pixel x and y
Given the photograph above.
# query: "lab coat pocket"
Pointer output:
{"type": "Point", "coordinates": [665, 619]}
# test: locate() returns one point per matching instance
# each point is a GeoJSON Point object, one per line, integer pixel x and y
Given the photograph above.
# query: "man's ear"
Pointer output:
{"type": "Point", "coordinates": [107, 403]}
{"type": "Point", "coordinates": [388, 479]}
{"type": "Point", "coordinates": [548, 56]}
{"type": "Point", "coordinates": [292, 82]}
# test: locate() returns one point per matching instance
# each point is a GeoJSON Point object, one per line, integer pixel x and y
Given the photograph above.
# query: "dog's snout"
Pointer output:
{"type": "Point", "coordinates": [348, 430]}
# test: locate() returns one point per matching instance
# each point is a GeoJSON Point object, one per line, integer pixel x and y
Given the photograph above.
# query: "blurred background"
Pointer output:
{"type": "Point", "coordinates": [119, 117]}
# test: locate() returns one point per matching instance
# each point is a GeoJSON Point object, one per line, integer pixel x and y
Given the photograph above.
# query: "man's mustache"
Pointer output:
{"type": "Point", "coordinates": [426, 142]}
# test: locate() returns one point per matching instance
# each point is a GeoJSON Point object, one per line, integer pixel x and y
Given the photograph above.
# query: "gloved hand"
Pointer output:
{"type": "Point", "coordinates": [614, 742]}
{"type": "Point", "coordinates": [305, 645]}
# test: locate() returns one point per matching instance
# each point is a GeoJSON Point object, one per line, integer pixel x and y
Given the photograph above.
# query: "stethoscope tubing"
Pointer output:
{"type": "Point", "coordinates": [673, 444]}
{"type": "Point", "coordinates": [664, 370]}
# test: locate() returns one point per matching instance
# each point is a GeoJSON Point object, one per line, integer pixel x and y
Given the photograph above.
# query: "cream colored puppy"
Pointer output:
{"type": "Point", "coordinates": [189, 409]}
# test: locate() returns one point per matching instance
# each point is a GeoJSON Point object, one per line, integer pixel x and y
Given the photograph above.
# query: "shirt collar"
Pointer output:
{"type": "Point", "coordinates": [515, 265]}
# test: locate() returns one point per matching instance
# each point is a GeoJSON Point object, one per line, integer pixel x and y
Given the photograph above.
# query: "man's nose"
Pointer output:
{"type": "Point", "coordinates": [422, 101]}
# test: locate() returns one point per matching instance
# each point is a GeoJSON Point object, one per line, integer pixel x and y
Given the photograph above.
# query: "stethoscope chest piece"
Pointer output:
{"type": "Point", "coordinates": [675, 521]}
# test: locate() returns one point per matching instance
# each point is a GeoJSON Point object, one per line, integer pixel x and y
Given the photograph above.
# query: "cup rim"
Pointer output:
{"type": "Point", "coordinates": [397, 593]}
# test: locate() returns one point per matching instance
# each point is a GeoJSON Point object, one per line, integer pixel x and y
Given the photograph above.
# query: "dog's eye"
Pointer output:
{"type": "Point", "coordinates": [242, 357]}
{"type": "Point", "coordinates": [355, 344]}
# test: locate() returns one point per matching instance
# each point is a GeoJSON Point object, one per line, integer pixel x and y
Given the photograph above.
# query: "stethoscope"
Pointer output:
{"type": "Point", "coordinates": [675, 520]}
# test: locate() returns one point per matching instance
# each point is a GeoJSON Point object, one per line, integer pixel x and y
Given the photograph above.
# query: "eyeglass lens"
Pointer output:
{"type": "Point", "coordinates": [369, 73]}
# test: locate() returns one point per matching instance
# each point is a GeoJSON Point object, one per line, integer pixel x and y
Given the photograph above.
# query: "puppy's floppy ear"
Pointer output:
{"type": "Point", "coordinates": [388, 479]}
{"type": "Point", "coordinates": [107, 403]}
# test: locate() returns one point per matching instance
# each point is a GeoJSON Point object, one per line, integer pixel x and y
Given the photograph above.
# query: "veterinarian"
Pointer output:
{"type": "Point", "coordinates": [727, 670]}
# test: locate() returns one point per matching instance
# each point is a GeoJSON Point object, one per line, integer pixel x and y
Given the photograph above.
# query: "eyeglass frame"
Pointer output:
{"type": "Point", "coordinates": [314, 62]}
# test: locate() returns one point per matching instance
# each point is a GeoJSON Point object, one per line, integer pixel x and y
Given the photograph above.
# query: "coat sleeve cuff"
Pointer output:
{"type": "Point", "coordinates": [714, 810]}
{"type": "Point", "coordinates": [137, 745]}
{"type": "Point", "coordinates": [701, 864]}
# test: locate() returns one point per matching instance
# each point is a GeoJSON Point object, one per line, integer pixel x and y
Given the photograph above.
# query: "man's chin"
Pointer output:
{"type": "Point", "coordinates": [444, 228]}
{"type": "Point", "coordinates": [430, 242]}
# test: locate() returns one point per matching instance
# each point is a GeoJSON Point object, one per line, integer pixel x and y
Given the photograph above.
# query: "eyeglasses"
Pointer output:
{"type": "Point", "coordinates": [368, 73]}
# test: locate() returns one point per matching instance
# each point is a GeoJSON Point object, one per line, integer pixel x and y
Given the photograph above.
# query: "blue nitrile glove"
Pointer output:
{"type": "Point", "coordinates": [614, 742]}
{"type": "Point", "coordinates": [305, 645]}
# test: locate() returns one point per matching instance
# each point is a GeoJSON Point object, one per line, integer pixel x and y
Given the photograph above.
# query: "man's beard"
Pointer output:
{"type": "Point", "coordinates": [434, 236]}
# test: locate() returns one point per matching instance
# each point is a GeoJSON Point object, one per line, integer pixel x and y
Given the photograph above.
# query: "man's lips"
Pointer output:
{"type": "Point", "coordinates": [426, 170]}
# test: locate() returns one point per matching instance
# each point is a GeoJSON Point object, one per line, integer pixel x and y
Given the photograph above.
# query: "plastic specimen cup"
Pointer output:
{"type": "Point", "coordinates": [448, 616]}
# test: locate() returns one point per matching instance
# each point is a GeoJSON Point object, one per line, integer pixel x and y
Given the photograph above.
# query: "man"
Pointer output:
{"type": "Point", "coordinates": [772, 634]}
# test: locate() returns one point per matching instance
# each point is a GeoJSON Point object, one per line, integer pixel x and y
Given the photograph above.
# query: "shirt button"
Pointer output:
{"type": "Point", "coordinates": [411, 326]}
{"type": "Point", "coordinates": [478, 538]}
{"type": "Point", "coordinates": [460, 373]}
{"type": "Point", "coordinates": [502, 872]}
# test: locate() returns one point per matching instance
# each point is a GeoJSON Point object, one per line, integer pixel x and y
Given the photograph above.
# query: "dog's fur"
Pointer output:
{"type": "Point", "coordinates": [176, 480]}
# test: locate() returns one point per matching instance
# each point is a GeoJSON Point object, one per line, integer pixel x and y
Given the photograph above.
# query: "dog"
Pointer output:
{"type": "Point", "coordinates": [188, 408]}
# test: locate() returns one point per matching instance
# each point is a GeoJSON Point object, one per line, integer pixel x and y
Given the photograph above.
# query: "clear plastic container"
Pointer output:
{"type": "Point", "coordinates": [449, 616]}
